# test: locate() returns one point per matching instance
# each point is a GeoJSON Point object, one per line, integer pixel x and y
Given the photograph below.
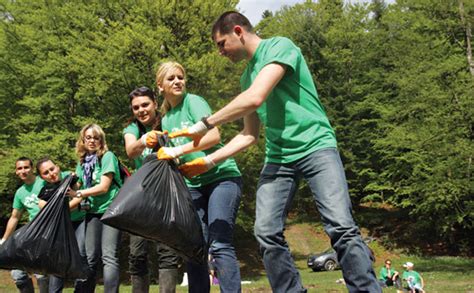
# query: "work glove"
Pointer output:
{"type": "Point", "coordinates": [197, 166]}
{"type": "Point", "coordinates": [2, 241]}
{"type": "Point", "coordinates": [169, 153]}
{"type": "Point", "coordinates": [150, 139]}
{"type": "Point", "coordinates": [195, 132]}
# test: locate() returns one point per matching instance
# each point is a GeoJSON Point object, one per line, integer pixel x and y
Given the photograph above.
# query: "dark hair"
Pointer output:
{"type": "Point", "coordinates": [226, 22]}
{"type": "Point", "coordinates": [142, 91]}
{"type": "Point", "coordinates": [40, 162]}
{"type": "Point", "coordinates": [25, 159]}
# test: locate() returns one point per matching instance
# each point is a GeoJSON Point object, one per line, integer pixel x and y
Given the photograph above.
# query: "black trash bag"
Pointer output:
{"type": "Point", "coordinates": [47, 245]}
{"type": "Point", "coordinates": [155, 203]}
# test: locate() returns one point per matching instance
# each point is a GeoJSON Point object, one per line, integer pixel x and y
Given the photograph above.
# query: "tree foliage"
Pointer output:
{"type": "Point", "coordinates": [396, 80]}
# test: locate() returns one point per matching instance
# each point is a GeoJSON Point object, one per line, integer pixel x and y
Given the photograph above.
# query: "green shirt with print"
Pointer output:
{"type": "Point", "coordinates": [108, 164]}
{"type": "Point", "coordinates": [412, 277]}
{"type": "Point", "coordinates": [133, 129]}
{"type": "Point", "coordinates": [185, 114]}
{"type": "Point", "coordinates": [384, 273]}
{"type": "Point", "coordinates": [294, 119]}
{"type": "Point", "coordinates": [26, 198]}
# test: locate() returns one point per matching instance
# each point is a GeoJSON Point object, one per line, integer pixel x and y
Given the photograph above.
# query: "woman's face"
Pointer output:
{"type": "Point", "coordinates": [173, 85]}
{"type": "Point", "coordinates": [144, 109]}
{"type": "Point", "coordinates": [92, 141]}
{"type": "Point", "coordinates": [49, 172]}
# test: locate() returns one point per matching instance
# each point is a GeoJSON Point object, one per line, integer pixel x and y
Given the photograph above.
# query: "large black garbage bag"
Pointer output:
{"type": "Point", "coordinates": [47, 245]}
{"type": "Point", "coordinates": [155, 203]}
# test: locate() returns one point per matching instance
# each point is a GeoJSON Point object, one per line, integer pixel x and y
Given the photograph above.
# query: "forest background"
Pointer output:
{"type": "Point", "coordinates": [397, 82]}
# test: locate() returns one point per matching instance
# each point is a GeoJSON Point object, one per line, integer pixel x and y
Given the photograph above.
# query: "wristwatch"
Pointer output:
{"type": "Point", "coordinates": [204, 120]}
{"type": "Point", "coordinates": [79, 194]}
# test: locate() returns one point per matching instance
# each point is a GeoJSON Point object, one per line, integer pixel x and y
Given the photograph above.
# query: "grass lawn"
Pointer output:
{"type": "Point", "coordinates": [441, 274]}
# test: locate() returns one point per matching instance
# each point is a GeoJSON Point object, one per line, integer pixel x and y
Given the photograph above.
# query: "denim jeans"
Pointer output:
{"type": "Point", "coordinates": [138, 257]}
{"type": "Point", "coordinates": [277, 185]}
{"type": "Point", "coordinates": [56, 284]}
{"type": "Point", "coordinates": [21, 278]}
{"type": "Point", "coordinates": [102, 243]}
{"type": "Point", "coordinates": [217, 205]}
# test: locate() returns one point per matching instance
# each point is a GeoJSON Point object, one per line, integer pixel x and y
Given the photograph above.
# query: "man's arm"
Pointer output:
{"type": "Point", "coordinates": [242, 105]}
{"type": "Point", "coordinates": [252, 98]}
{"type": "Point", "coordinates": [247, 137]}
{"type": "Point", "coordinates": [12, 223]}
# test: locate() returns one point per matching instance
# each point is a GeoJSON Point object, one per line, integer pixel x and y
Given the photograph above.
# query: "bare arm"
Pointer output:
{"type": "Point", "coordinates": [42, 203]}
{"type": "Point", "coordinates": [247, 137]}
{"type": "Point", "coordinates": [12, 223]}
{"type": "Point", "coordinates": [99, 189]}
{"type": "Point", "coordinates": [249, 100]}
{"type": "Point", "coordinates": [133, 146]}
{"type": "Point", "coordinates": [209, 140]}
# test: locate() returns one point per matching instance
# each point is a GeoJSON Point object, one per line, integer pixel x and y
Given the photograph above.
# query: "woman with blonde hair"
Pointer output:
{"type": "Point", "coordinates": [216, 193]}
{"type": "Point", "coordinates": [99, 182]}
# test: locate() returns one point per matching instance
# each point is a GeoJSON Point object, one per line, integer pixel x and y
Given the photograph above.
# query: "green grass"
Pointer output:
{"type": "Point", "coordinates": [441, 274]}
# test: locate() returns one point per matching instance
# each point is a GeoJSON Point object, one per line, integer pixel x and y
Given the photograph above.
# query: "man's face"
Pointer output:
{"type": "Point", "coordinates": [24, 170]}
{"type": "Point", "coordinates": [230, 45]}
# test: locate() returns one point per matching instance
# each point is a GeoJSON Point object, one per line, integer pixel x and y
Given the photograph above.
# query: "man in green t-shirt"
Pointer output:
{"type": "Point", "coordinates": [278, 92]}
{"type": "Point", "coordinates": [26, 198]}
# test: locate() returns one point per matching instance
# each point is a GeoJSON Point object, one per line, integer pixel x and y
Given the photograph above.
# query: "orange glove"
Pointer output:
{"type": "Point", "coordinates": [169, 153]}
{"type": "Point", "coordinates": [195, 132]}
{"type": "Point", "coordinates": [150, 139]}
{"type": "Point", "coordinates": [197, 166]}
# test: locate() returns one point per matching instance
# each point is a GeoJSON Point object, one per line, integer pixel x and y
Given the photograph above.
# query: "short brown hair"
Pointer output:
{"type": "Point", "coordinates": [226, 22]}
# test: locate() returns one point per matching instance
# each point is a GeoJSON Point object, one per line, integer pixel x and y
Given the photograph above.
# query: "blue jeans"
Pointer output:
{"type": "Point", "coordinates": [277, 185]}
{"type": "Point", "coordinates": [22, 279]}
{"type": "Point", "coordinates": [217, 205]}
{"type": "Point", "coordinates": [56, 284]}
{"type": "Point", "coordinates": [102, 243]}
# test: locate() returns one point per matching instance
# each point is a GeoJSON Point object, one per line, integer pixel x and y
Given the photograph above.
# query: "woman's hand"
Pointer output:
{"type": "Point", "coordinates": [197, 166]}
{"type": "Point", "coordinates": [169, 153]}
{"type": "Point", "coordinates": [150, 139]}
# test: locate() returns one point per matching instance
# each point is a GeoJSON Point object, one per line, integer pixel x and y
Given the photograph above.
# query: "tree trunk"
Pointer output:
{"type": "Point", "coordinates": [468, 34]}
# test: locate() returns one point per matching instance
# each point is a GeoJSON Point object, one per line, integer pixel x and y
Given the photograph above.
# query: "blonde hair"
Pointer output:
{"type": "Point", "coordinates": [81, 149]}
{"type": "Point", "coordinates": [160, 77]}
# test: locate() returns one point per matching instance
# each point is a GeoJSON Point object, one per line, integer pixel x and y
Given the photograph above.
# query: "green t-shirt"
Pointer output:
{"type": "Point", "coordinates": [132, 128]}
{"type": "Point", "coordinates": [412, 277]}
{"type": "Point", "coordinates": [184, 115]}
{"type": "Point", "coordinates": [26, 198]}
{"type": "Point", "coordinates": [384, 273]}
{"type": "Point", "coordinates": [294, 118]}
{"type": "Point", "coordinates": [108, 164]}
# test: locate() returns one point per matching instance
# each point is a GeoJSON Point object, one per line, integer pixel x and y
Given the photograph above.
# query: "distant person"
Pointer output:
{"type": "Point", "coordinates": [389, 276]}
{"type": "Point", "coordinates": [144, 129]}
{"type": "Point", "coordinates": [26, 199]}
{"type": "Point", "coordinates": [52, 175]}
{"type": "Point", "coordinates": [414, 280]}
{"type": "Point", "coordinates": [278, 91]}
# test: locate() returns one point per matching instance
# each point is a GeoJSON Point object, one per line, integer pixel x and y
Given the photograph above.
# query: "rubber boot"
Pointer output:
{"type": "Point", "coordinates": [140, 284]}
{"type": "Point", "coordinates": [43, 284]}
{"type": "Point", "coordinates": [168, 279]}
{"type": "Point", "coordinates": [26, 287]}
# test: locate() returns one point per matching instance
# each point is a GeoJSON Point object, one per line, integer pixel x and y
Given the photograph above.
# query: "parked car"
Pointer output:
{"type": "Point", "coordinates": [326, 260]}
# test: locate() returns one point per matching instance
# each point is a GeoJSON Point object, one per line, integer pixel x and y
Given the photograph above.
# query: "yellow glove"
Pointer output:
{"type": "Point", "coordinates": [168, 153]}
{"type": "Point", "coordinates": [150, 139]}
{"type": "Point", "coordinates": [197, 166]}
